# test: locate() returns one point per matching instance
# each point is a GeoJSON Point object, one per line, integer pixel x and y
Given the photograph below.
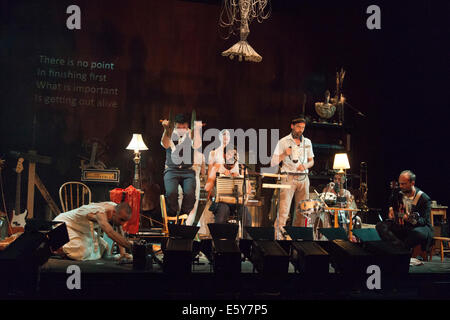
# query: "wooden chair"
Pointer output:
{"type": "Point", "coordinates": [440, 247]}
{"type": "Point", "coordinates": [73, 195]}
{"type": "Point", "coordinates": [438, 243]}
{"type": "Point", "coordinates": [166, 218]}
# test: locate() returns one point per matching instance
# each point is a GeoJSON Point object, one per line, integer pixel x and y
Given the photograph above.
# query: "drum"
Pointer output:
{"type": "Point", "coordinates": [308, 205]}
{"type": "Point", "coordinates": [329, 198]}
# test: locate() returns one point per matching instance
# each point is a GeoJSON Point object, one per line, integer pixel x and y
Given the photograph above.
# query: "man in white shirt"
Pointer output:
{"type": "Point", "coordinates": [297, 156]}
{"type": "Point", "coordinates": [85, 243]}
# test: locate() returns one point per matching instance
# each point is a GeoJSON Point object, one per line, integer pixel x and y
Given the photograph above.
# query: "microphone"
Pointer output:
{"type": "Point", "coordinates": [294, 154]}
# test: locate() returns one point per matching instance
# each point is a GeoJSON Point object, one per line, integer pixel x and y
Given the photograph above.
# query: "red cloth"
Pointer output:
{"type": "Point", "coordinates": [133, 198]}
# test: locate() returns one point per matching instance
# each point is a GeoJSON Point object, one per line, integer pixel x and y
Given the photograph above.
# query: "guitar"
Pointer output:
{"type": "Point", "coordinates": [400, 212]}
{"type": "Point", "coordinates": [18, 219]}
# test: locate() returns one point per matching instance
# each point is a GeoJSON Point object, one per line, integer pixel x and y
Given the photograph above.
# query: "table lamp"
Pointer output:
{"type": "Point", "coordinates": [137, 144]}
{"type": "Point", "coordinates": [341, 162]}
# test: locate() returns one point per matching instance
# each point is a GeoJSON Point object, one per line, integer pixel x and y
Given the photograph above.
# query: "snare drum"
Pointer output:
{"type": "Point", "coordinates": [308, 205]}
{"type": "Point", "coordinates": [329, 198]}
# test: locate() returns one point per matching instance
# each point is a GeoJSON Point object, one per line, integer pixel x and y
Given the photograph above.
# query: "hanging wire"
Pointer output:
{"type": "Point", "coordinates": [230, 15]}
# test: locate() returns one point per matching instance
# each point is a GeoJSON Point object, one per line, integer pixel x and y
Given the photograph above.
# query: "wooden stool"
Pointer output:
{"type": "Point", "coordinates": [417, 251]}
{"type": "Point", "coordinates": [441, 247]}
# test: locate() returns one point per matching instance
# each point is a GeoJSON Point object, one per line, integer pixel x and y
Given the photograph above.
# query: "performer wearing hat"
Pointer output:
{"type": "Point", "coordinates": [296, 154]}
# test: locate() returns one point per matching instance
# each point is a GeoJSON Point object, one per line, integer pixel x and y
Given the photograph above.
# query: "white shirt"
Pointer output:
{"type": "Point", "coordinates": [301, 153]}
{"type": "Point", "coordinates": [216, 157]}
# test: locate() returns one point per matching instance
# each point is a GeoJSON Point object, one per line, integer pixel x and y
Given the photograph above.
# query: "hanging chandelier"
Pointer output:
{"type": "Point", "coordinates": [237, 15]}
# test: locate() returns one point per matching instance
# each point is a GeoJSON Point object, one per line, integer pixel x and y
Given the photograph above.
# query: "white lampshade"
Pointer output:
{"type": "Point", "coordinates": [341, 162]}
{"type": "Point", "coordinates": [137, 143]}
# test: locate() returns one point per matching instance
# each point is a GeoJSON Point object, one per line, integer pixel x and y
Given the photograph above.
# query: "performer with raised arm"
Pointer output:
{"type": "Point", "coordinates": [179, 170]}
{"type": "Point", "coordinates": [296, 154]}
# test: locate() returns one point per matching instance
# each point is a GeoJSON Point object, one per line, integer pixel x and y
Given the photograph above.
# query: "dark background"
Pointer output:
{"type": "Point", "coordinates": [167, 57]}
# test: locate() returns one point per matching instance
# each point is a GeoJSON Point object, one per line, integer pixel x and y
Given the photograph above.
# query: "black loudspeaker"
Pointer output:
{"type": "Point", "coordinates": [55, 231]}
{"type": "Point", "coordinates": [300, 233]}
{"type": "Point", "coordinates": [178, 250]}
{"type": "Point", "coordinates": [269, 258]}
{"type": "Point", "coordinates": [267, 255]}
{"type": "Point", "coordinates": [223, 230]}
{"type": "Point", "coordinates": [225, 251]}
{"type": "Point", "coordinates": [334, 233]}
{"type": "Point", "coordinates": [349, 260]}
{"type": "Point", "coordinates": [393, 261]}
{"type": "Point", "coordinates": [20, 261]}
{"type": "Point", "coordinates": [309, 258]}
{"type": "Point", "coordinates": [261, 233]}
{"type": "Point", "coordinates": [367, 234]}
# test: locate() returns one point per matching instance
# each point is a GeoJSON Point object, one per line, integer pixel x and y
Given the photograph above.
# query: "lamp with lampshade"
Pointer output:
{"type": "Point", "coordinates": [137, 145]}
{"type": "Point", "coordinates": [341, 163]}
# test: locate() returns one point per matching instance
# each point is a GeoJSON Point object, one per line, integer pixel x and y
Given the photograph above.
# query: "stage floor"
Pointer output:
{"type": "Point", "coordinates": [106, 279]}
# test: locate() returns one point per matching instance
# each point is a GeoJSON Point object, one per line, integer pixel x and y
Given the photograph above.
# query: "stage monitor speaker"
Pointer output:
{"type": "Point", "coordinates": [309, 258]}
{"type": "Point", "coordinates": [261, 233]}
{"type": "Point", "coordinates": [178, 251]}
{"type": "Point", "coordinates": [177, 231]}
{"type": "Point", "coordinates": [55, 231]}
{"type": "Point", "coordinates": [223, 230]}
{"type": "Point", "coordinates": [334, 233]}
{"type": "Point", "coordinates": [20, 261]}
{"type": "Point", "coordinates": [300, 233]}
{"type": "Point", "coordinates": [226, 256]}
{"type": "Point", "coordinates": [269, 258]}
{"type": "Point", "coordinates": [350, 260]}
{"type": "Point", "coordinates": [367, 234]}
{"type": "Point", "coordinates": [392, 260]}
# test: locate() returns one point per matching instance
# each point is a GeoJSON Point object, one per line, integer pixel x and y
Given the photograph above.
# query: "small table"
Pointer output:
{"type": "Point", "coordinates": [336, 223]}
{"type": "Point", "coordinates": [438, 211]}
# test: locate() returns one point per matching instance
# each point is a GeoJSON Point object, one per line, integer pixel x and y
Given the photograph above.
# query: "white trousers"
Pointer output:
{"type": "Point", "coordinates": [300, 189]}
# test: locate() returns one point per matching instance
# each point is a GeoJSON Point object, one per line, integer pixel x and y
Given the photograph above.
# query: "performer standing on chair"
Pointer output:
{"type": "Point", "coordinates": [179, 163]}
{"type": "Point", "coordinates": [296, 153]}
{"type": "Point", "coordinates": [409, 215]}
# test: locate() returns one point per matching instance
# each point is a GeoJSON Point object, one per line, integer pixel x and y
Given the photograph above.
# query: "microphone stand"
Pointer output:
{"type": "Point", "coordinates": [244, 193]}
{"type": "Point", "coordinates": [354, 109]}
